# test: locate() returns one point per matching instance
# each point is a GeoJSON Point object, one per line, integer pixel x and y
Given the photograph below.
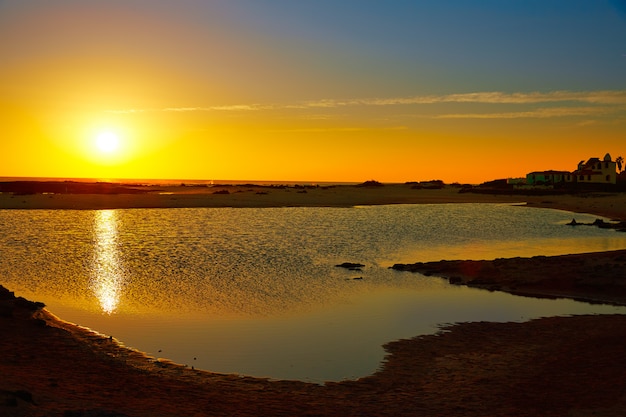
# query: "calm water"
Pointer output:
{"type": "Point", "coordinates": [256, 291]}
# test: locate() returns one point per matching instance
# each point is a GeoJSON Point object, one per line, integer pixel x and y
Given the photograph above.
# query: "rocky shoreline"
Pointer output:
{"type": "Point", "coordinates": [592, 277]}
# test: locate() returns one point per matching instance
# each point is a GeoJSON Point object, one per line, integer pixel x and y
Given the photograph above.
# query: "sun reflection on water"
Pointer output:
{"type": "Point", "coordinates": [107, 279]}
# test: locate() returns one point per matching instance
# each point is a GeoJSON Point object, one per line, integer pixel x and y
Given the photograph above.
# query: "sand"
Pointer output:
{"type": "Point", "coordinates": [246, 196]}
{"type": "Point", "coordinates": [591, 277]}
{"type": "Point", "coordinates": [611, 205]}
{"type": "Point", "coordinates": [560, 366]}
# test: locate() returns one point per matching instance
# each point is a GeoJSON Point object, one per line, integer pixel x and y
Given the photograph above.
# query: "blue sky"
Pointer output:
{"type": "Point", "coordinates": [454, 46]}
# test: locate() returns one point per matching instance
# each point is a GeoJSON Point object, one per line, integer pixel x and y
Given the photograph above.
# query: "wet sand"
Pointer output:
{"type": "Point", "coordinates": [611, 205]}
{"type": "Point", "coordinates": [560, 366]}
{"type": "Point", "coordinates": [591, 277]}
{"type": "Point", "coordinates": [245, 196]}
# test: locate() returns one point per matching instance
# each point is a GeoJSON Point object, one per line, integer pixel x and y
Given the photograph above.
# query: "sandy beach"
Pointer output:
{"type": "Point", "coordinates": [559, 366]}
{"type": "Point", "coordinates": [605, 204]}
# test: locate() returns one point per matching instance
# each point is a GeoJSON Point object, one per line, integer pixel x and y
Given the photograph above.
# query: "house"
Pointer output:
{"type": "Point", "coordinates": [596, 171]}
{"type": "Point", "coordinates": [548, 177]}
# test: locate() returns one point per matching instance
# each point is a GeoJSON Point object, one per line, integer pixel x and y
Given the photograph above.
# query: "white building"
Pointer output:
{"type": "Point", "coordinates": [596, 171]}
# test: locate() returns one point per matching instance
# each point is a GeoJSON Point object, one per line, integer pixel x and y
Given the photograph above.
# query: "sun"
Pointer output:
{"type": "Point", "coordinates": [107, 142]}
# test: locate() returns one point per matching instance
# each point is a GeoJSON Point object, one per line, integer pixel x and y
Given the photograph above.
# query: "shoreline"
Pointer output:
{"type": "Point", "coordinates": [553, 366]}
{"type": "Point", "coordinates": [606, 204]}
{"type": "Point", "coordinates": [597, 277]}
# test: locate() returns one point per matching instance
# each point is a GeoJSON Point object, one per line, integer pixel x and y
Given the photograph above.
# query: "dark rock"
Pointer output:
{"type": "Point", "coordinates": [455, 280]}
{"type": "Point", "coordinates": [602, 224]}
{"type": "Point", "coordinates": [480, 282]}
{"type": "Point", "coordinates": [21, 302]}
{"type": "Point", "coordinates": [370, 183]}
{"type": "Point", "coordinates": [6, 294]}
{"type": "Point", "coordinates": [350, 265]}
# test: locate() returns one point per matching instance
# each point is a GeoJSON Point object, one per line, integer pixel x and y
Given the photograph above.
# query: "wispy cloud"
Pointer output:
{"type": "Point", "coordinates": [493, 97]}
{"type": "Point", "coordinates": [337, 129]}
{"type": "Point", "coordinates": [536, 113]}
{"type": "Point", "coordinates": [224, 108]}
{"type": "Point", "coordinates": [593, 98]}
{"type": "Point", "coordinates": [241, 107]}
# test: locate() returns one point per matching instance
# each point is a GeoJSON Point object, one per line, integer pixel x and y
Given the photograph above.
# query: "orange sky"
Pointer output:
{"type": "Point", "coordinates": [270, 90]}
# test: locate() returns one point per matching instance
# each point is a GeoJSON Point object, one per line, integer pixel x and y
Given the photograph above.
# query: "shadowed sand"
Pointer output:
{"type": "Point", "coordinates": [610, 205]}
{"type": "Point", "coordinates": [560, 366]}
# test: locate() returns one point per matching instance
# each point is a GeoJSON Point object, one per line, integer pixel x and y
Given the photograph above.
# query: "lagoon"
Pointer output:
{"type": "Point", "coordinates": [256, 291]}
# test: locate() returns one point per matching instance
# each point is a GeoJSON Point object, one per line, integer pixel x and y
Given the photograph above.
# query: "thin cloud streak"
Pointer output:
{"type": "Point", "coordinates": [542, 113]}
{"type": "Point", "coordinates": [225, 108]}
{"type": "Point", "coordinates": [336, 129]}
{"type": "Point", "coordinates": [495, 97]}
{"type": "Point", "coordinates": [607, 97]}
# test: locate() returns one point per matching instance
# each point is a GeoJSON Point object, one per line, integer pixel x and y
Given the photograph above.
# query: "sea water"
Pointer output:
{"type": "Point", "coordinates": [256, 291]}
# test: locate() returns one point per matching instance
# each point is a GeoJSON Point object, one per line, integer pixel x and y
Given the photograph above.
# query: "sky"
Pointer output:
{"type": "Point", "coordinates": [341, 90]}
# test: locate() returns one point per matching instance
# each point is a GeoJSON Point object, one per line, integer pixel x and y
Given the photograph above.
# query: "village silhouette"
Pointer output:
{"type": "Point", "coordinates": [594, 174]}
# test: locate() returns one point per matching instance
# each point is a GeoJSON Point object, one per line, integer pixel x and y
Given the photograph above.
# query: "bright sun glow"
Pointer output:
{"type": "Point", "coordinates": [107, 142]}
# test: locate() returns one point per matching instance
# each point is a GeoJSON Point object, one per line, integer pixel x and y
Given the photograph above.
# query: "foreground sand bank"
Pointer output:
{"type": "Point", "coordinates": [560, 366]}
{"type": "Point", "coordinates": [593, 277]}
{"type": "Point", "coordinates": [550, 367]}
